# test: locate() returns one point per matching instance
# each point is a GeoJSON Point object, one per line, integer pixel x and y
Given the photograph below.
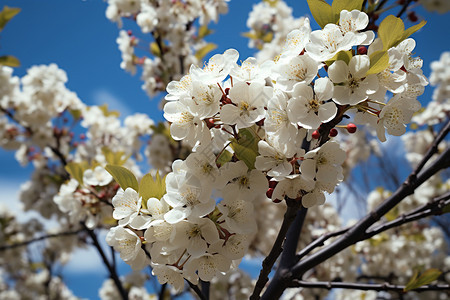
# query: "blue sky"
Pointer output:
{"type": "Point", "coordinates": [76, 35]}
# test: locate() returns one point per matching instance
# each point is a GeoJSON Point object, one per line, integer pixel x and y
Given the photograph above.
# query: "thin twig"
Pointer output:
{"type": "Point", "coordinates": [404, 8]}
{"type": "Point", "coordinates": [44, 237]}
{"type": "Point", "coordinates": [269, 261]}
{"type": "Point", "coordinates": [197, 290]}
{"type": "Point", "coordinates": [366, 286]}
{"type": "Point", "coordinates": [112, 271]}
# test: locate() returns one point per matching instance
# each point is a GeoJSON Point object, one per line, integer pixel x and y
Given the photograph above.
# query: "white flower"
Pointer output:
{"type": "Point", "coordinates": [97, 177]}
{"type": "Point", "coordinates": [217, 68]}
{"type": "Point", "coordinates": [356, 21]}
{"type": "Point", "coordinates": [126, 205]}
{"type": "Point", "coordinates": [357, 85]}
{"type": "Point", "coordinates": [187, 196]}
{"type": "Point", "coordinates": [186, 124]}
{"type": "Point", "coordinates": [310, 110]}
{"type": "Point", "coordinates": [327, 42]}
{"type": "Point", "coordinates": [147, 18]}
{"type": "Point", "coordinates": [292, 186]}
{"type": "Point", "coordinates": [324, 163]}
{"type": "Point", "coordinates": [206, 98]}
{"type": "Point", "coordinates": [178, 89]}
{"type": "Point", "coordinates": [289, 71]}
{"type": "Point", "coordinates": [195, 235]}
{"type": "Point", "coordinates": [209, 265]}
{"type": "Point", "coordinates": [275, 160]}
{"type": "Point", "coordinates": [248, 104]}
{"type": "Point", "coordinates": [397, 112]}
{"type": "Point", "coordinates": [128, 244]}
{"type": "Point", "coordinates": [315, 197]}
{"type": "Point", "coordinates": [277, 123]}
{"type": "Point", "coordinates": [169, 274]}
{"type": "Point", "coordinates": [238, 215]}
{"type": "Point", "coordinates": [202, 164]}
{"type": "Point", "coordinates": [297, 39]}
{"type": "Point", "coordinates": [242, 182]}
{"type": "Point", "coordinates": [250, 71]}
{"type": "Point", "coordinates": [236, 246]}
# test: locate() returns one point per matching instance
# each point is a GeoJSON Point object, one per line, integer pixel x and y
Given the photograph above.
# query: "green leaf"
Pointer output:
{"type": "Point", "coordinates": [345, 56]}
{"type": "Point", "coordinates": [202, 52]}
{"type": "Point", "coordinates": [76, 170]}
{"type": "Point", "coordinates": [268, 37]}
{"type": "Point", "coordinates": [107, 112]}
{"type": "Point", "coordinates": [10, 61]}
{"type": "Point", "coordinates": [123, 177]}
{"type": "Point", "coordinates": [150, 187]}
{"type": "Point", "coordinates": [391, 31]}
{"type": "Point", "coordinates": [7, 14]}
{"type": "Point", "coordinates": [114, 158]}
{"type": "Point", "coordinates": [340, 5]}
{"type": "Point", "coordinates": [76, 113]}
{"type": "Point", "coordinates": [154, 49]}
{"type": "Point", "coordinates": [379, 61]}
{"type": "Point", "coordinates": [321, 12]}
{"type": "Point", "coordinates": [427, 277]}
{"type": "Point", "coordinates": [204, 31]}
{"type": "Point", "coordinates": [224, 157]}
{"type": "Point", "coordinates": [246, 147]}
{"type": "Point", "coordinates": [413, 29]}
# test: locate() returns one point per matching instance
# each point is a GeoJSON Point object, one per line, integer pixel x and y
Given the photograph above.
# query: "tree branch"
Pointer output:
{"type": "Point", "coordinates": [404, 8]}
{"type": "Point", "coordinates": [357, 232]}
{"type": "Point", "coordinates": [197, 290]}
{"type": "Point", "coordinates": [112, 271]}
{"type": "Point", "coordinates": [269, 261]}
{"type": "Point", "coordinates": [367, 286]}
{"type": "Point", "coordinates": [44, 237]}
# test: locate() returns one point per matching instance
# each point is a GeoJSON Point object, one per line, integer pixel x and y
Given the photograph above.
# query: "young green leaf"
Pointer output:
{"type": "Point", "coordinates": [413, 29]}
{"type": "Point", "coordinates": [379, 61]}
{"type": "Point", "coordinates": [321, 12]}
{"type": "Point", "coordinates": [76, 170]}
{"type": "Point", "coordinates": [340, 5]}
{"type": "Point", "coordinates": [123, 177]}
{"type": "Point", "coordinates": [9, 61]}
{"type": "Point", "coordinates": [7, 14]}
{"type": "Point", "coordinates": [426, 277]}
{"type": "Point", "coordinates": [150, 187]}
{"type": "Point", "coordinates": [391, 31]}
{"type": "Point", "coordinates": [345, 56]}
{"type": "Point", "coordinates": [246, 147]}
{"type": "Point", "coordinates": [224, 157]}
{"type": "Point", "coordinates": [202, 52]}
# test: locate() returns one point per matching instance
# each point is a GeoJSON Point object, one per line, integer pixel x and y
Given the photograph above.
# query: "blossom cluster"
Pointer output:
{"type": "Point", "coordinates": [177, 42]}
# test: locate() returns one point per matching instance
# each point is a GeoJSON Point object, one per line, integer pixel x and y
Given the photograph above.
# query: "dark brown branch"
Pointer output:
{"type": "Point", "coordinates": [269, 261]}
{"type": "Point", "coordinates": [49, 236]}
{"type": "Point", "coordinates": [404, 8]}
{"type": "Point", "coordinates": [112, 271]}
{"type": "Point", "coordinates": [357, 232]}
{"type": "Point", "coordinates": [197, 290]}
{"type": "Point", "coordinates": [367, 286]}
{"type": "Point", "coordinates": [319, 242]}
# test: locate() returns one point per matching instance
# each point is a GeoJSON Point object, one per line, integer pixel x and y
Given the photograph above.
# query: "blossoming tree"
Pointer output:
{"type": "Point", "coordinates": [242, 164]}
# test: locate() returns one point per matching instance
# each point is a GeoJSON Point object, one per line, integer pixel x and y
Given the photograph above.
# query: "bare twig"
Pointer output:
{"type": "Point", "coordinates": [44, 237]}
{"type": "Point", "coordinates": [269, 261]}
{"type": "Point", "coordinates": [367, 286]}
{"type": "Point", "coordinates": [112, 271]}
{"type": "Point", "coordinates": [197, 290]}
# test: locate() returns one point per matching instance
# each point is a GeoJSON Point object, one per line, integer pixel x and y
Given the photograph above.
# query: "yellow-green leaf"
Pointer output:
{"type": "Point", "coordinates": [272, 3]}
{"type": "Point", "coordinates": [413, 29]}
{"type": "Point", "coordinates": [154, 49]}
{"type": "Point", "coordinates": [345, 56]}
{"type": "Point", "coordinates": [114, 158]}
{"type": "Point", "coordinates": [202, 52]}
{"type": "Point", "coordinates": [107, 112]}
{"type": "Point", "coordinates": [76, 113]}
{"type": "Point", "coordinates": [10, 61]}
{"type": "Point", "coordinates": [427, 277]}
{"type": "Point", "coordinates": [76, 170]}
{"type": "Point", "coordinates": [391, 31]}
{"type": "Point", "coordinates": [224, 157]}
{"type": "Point", "coordinates": [150, 187]}
{"type": "Point", "coordinates": [268, 37]}
{"type": "Point", "coordinates": [392, 214]}
{"type": "Point", "coordinates": [246, 147]}
{"type": "Point", "coordinates": [321, 12]}
{"type": "Point", "coordinates": [123, 177]}
{"type": "Point", "coordinates": [340, 5]}
{"type": "Point", "coordinates": [379, 61]}
{"type": "Point", "coordinates": [250, 35]}
{"type": "Point", "coordinates": [204, 31]}
{"type": "Point", "coordinates": [7, 14]}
